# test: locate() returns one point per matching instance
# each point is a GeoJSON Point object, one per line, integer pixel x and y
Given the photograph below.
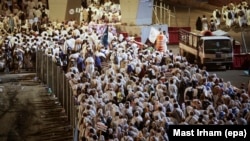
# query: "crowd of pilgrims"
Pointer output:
{"type": "Point", "coordinates": [230, 15]}
{"type": "Point", "coordinates": [139, 91]}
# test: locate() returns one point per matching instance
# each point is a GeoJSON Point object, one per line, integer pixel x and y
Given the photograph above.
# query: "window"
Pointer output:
{"type": "Point", "coordinates": [219, 45]}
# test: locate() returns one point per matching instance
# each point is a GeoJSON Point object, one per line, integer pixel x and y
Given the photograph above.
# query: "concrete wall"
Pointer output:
{"type": "Point", "coordinates": [222, 2]}
{"type": "Point", "coordinates": [196, 3]}
{"type": "Point", "coordinates": [136, 12]}
{"type": "Point", "coordinates": [59, 10]}
{"type": "Point", "coordinates": [200, 3]}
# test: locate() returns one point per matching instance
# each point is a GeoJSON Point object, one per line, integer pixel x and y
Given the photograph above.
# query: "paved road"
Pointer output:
{"type": "Point", "coordinates": [236, 77]}
{"type": "Point", "coordinates": [28, 112]}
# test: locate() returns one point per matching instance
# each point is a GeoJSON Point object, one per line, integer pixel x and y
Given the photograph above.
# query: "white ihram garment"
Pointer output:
{"type": "Point", "coordinates": [90, 65]}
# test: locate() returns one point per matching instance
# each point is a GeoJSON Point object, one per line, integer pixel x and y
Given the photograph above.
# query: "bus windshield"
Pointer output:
{"type": "Point", "coordinates": [220, 45]}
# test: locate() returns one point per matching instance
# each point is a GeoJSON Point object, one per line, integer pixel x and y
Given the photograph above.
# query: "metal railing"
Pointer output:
{"type": "Point", "coordinates": [54, 78]}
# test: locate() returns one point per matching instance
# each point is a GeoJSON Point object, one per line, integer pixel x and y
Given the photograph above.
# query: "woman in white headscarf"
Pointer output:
{"type": "Point", "coordinates": [90, 65]}
{"type": "Point", "coordinates": [241, 17]}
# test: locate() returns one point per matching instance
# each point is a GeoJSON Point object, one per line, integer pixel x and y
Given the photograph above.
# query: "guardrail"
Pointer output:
{"type": "Point", "coordinates": [54, 78]}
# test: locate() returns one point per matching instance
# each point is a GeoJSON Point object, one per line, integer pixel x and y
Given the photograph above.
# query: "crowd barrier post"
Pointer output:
{"type": "Point", "coordinates": [67, 99]}
{"type": "Point", "coordinates": [59, 85]}
{"type": "Point", "coordinates": [64, 91]}
{"type": "Point", "coordinates": [42, 67]}
{"type": "Point", "coordinates": [71, 107]}
{"type": "Point", "coordinates": [45, 69]}
{"type": "Point", "coordinates": [38, 66]}
{"type": "Point", "coordinates": [54, 78]}
{"type": "Point", "coordinates": [50, 72]}
{"type": "Point", "coordinates": [58, 82]}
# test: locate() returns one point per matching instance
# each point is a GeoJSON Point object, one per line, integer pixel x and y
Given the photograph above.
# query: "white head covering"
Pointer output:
{"type": "Point", "coordinates": [121, 37]}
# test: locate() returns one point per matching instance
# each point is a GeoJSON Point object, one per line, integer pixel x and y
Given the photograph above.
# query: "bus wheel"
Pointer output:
{"type": "Point", "coordinates": [228, 67]}
{"type": "Point", "coordinates": [190, 58]}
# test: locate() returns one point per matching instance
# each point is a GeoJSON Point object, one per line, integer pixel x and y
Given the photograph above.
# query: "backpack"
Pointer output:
{"type": "Point", "coordinates": [189, 94]}
{"type": "Point", "coordinates": [65, 62]}
{"type": "Point", "coordinates": [116, 59]}
{"type": "Point", "coordinates": [130, 69]}
{"type": "Point", "coordinates": [205, 104]}
{"type": "Point", "coordinates": [168, 106]}
{"type": "Point", "coordinates": [119, 96]}
{"type": "Point", "coordinates": [58, 61]}
{"type": "Point", "coordinates": [19, 57]}
{"type": "Point", "coordinates": [230, 16]}
{"type": "Point", "coordinates": [218, 14]}
{"type": "Point", "coordinates": [212, 27]}
{"type": "Point", "coordinates": [98, 61]}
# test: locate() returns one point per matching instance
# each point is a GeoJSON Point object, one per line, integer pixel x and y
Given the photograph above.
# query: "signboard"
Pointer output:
{"type": "Point", "coordinates": [71, 11]}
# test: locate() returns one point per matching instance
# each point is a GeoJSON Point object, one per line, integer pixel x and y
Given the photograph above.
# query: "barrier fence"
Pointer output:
{"type": "Point", "coordinates": [54, 78]}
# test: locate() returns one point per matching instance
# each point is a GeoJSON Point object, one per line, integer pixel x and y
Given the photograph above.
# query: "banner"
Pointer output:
{"type": "Point", "coordinates": [153, 34]}
{"type": "Point", "coordinates": [105, 37]}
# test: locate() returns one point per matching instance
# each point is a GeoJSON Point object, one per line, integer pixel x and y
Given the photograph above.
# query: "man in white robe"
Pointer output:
{"type": "Point", "coordinates": [229, 19]}
{"type": "Point", "coordinates": [217, 18]}
{"type": "Point", "coordinates": [68, 44]}
{"type": "Point", "coordinates": [90, 65]}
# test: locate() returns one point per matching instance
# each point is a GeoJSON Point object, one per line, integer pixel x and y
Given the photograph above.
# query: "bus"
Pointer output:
{"type": "Point", "coordinates": [210, 49]}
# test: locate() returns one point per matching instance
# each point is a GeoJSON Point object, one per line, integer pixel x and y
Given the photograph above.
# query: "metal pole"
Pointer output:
{"type": "Point", "coordinates": [175, 17]}
{"type": "Point", "coordinates": [47, 72]}
{"type": "Point", "coordinates": [156, 10]}
{"type": "Point", "coordinates": [164, 16]}
{"type": "Point", "coordinates": [188, 16]}
{"type": "Point", "coordinates": [36, 63]}
{"type": "Point", "coordinates": [81, 14]}
{"type": "Point", "coordinates": [161, 11]}
{"type": "Point", "coordinates": [64, 92]}
{"type": "Point", "coordinates": [168, 14]}
{"type": "Point", "coordinates": [244, 41]}
{"type": "Point", "coordinates": [169, 17]}
{"type": "Point", "coordinates": [156, 18]}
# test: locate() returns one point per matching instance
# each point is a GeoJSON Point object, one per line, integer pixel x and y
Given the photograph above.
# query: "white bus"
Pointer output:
{"type": "Point", "coordinates": [206, 49]}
